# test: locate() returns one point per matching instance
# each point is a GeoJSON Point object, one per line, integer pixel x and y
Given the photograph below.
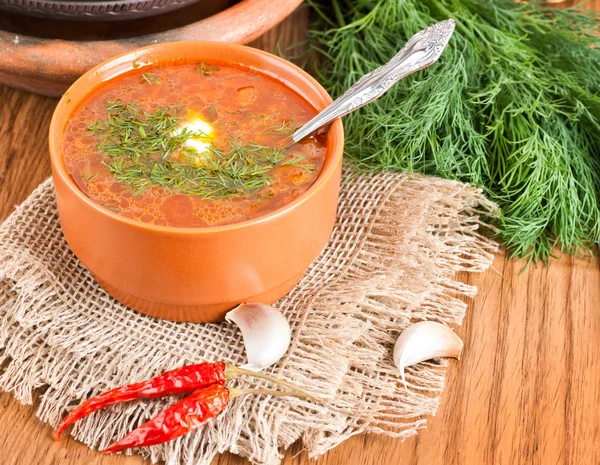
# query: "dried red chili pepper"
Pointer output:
{"type": "Point", "coordinates": [177, 420]}
{"type": "Point", "coordinates": [179, 381]}
{"type": "Point", "coordinates": [185, 416]}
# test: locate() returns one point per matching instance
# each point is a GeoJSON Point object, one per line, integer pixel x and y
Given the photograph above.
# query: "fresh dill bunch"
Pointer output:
{"type": "Point", "coordinates": [512, 106]}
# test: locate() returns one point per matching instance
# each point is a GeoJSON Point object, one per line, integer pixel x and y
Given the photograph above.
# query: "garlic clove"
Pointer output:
{"type": "Point", "coordinates": [423, 341]}
{"type": "Point", "coordinates": [266, 332]}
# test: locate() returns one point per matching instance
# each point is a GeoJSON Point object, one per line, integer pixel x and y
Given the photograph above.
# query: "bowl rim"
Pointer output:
{"type": "Point", "coordinates": [335, 136]}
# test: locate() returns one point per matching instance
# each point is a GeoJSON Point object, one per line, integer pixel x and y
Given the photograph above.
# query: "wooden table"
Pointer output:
{"type": "Point", "coordinates": [526, 391]}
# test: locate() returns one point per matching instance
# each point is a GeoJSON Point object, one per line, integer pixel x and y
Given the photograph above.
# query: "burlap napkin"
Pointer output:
{"type": "Point", "coordinates": [391, 260]}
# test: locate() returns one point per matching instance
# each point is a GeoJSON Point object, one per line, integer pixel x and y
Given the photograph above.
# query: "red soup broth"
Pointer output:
{"type": "Point", "coordinates": [192, 145]}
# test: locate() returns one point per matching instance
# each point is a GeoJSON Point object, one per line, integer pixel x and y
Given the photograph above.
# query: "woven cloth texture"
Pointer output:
{"type": "Point", "coordinates": [391, 260]}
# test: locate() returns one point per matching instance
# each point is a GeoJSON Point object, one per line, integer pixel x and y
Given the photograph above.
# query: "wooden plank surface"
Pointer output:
{"type": "Point", "coordinates": [526, 391]}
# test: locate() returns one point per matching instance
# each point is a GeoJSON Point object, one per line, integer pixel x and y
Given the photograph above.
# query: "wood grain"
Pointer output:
{"type": "Point", "coordinates": [525, 392]}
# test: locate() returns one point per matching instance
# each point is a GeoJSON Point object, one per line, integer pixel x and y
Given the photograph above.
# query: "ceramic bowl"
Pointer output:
{"type": "Point", "coordinates": [187, 274]}
{"type": "Point", "coordinates": [92, 10]}
{"type": "Point", "coordinates": [49, 66]}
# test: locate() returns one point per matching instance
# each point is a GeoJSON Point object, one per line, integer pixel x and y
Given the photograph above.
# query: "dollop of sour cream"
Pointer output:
{"type": "Point", "coordinates": [194, 123]}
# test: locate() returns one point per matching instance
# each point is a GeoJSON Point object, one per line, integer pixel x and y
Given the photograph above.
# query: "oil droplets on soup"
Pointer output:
{"type": "Point", "coordinates": [191, 145]}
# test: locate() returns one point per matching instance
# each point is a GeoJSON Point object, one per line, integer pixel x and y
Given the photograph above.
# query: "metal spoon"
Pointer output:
{"type": "Point", "coordinates": [422, 49]}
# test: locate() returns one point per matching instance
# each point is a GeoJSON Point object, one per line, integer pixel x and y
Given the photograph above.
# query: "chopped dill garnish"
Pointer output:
{"type": "Point", "coordinates": [210, 113]}
{"type": "Point", "coordinates": [286, 128]}
{"type": "Point", "coordinates": [297, 162]}
{"type": "Point", "coordinates": [89, 177]}
{"type": "Point", "coordinates": [144, 150]}
{"type": "Point", "coordinates": [241, 169]}
{"type": "Point", "coordinates": [237, 112]}
{"type": "Point", "coordinates": [114, 206]}
{"type": "Point", "coordinates": [130, 131]}
{"type": "Point", "coordinates": [207, 70]}
{"type": "Point", "coordinates": [150, 78]}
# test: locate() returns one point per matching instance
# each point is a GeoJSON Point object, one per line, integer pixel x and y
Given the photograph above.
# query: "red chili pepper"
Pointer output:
{"type": "Point", "coordinates": [181, 380]}
{"type": "Point", "coordinates": [187, 415]}
{"type": "Point", "coordinates": [178, 381]}
{"type": "Point", "coordinates": [177, 420]}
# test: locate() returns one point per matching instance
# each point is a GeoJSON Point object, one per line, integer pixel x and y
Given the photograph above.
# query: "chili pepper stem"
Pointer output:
{"type": "Point", "coordinates": [268, 392]}
{"type": "Point", "coordinates": [232, 371]}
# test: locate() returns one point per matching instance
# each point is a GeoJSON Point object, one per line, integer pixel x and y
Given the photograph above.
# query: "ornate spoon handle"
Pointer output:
{"type": "Point", "coordinates": [422, 49]}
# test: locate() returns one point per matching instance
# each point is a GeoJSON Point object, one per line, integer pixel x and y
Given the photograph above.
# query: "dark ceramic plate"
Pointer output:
{"type": "Point", "coordinates": [46, 56]}
{"type": "Point", "coordinates": [92, 10]}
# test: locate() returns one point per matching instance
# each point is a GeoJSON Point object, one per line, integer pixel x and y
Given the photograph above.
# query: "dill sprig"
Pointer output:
{"type": "Point", "coordinates": [512, 106]}
{"type": "Point", "coordinates": [144, 150]}
{"type": "Point", "coordinates": [207, 70]}
{"type": "Point", "coordinates": [150, 78]}
{"type": "Point", "coordinates": [89, 177]}
{"type": "Point", "coordinates": [286, 128]}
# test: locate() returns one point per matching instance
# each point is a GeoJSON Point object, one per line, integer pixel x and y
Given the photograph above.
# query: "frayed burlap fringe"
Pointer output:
{"type": "Point", "coordinates": [391, 260]}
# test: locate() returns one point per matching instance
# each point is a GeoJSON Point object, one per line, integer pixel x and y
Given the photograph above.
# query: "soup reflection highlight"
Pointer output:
{"type": "Point", "coordinates": [192, 145]}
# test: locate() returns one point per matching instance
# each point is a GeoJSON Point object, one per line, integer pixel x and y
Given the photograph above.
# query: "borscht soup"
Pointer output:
{"type": "Point", "coordinates": [192, 145]}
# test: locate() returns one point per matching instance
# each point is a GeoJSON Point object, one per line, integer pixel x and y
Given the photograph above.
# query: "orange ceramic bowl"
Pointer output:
{"type": "Point", "coordinates": [197, 274]}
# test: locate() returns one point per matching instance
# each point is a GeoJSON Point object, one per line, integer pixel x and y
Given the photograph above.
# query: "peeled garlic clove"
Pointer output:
{"type": "Point", "coordinates": [423, 341]}
{"type": "Point", "coordinates": [266, 334]}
